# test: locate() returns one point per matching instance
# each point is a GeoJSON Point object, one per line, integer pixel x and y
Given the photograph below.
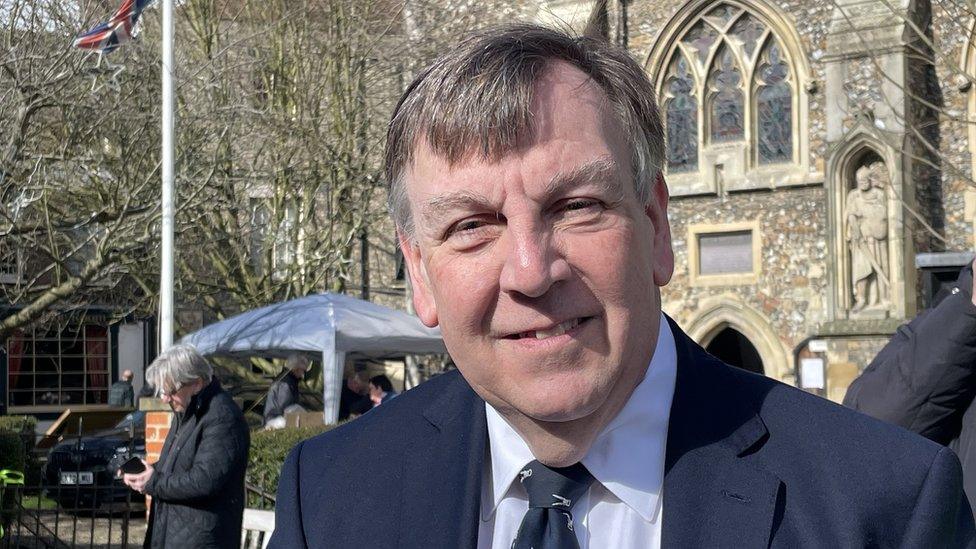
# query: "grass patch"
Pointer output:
{"type": "Point", "coordinates": [39, 502]}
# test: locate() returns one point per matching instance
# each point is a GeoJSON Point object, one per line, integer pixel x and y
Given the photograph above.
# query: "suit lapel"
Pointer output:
{"type": "Point", "coordinates": [715, 493]}
{"type": "Point", "coordinates": [443, 470]}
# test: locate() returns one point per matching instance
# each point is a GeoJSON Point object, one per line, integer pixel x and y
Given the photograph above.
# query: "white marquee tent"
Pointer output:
{"type": "Point", "coordinates": [334, 325]}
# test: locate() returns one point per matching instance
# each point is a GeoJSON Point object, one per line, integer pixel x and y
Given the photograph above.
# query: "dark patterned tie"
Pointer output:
{"type": "Point", "coordinates": [548, 524]}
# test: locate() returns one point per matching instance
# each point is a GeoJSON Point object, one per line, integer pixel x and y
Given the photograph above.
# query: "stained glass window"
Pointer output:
{"type": "Point", "coordinates": [681, 112]}
{"type": "Point", "coordinates": [721, 15]}
{"type": "Point", "coordinates": [727, 73]}
{"type": "Point", "coordinates": [774, 108]}
{"type": "Point", "coordinates": [748, 31]}
{"type": "Point", "coordinates": [727, 102]}
{"type": "Point", "coordinates": [700, 38]}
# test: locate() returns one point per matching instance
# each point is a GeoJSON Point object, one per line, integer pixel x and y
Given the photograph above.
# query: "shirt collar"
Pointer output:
{"type": "Point", "coordinates": [627, 457]}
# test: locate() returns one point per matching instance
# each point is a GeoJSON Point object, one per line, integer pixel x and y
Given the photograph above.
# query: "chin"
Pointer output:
{"type": "Point", "coordinates": [564, 407]}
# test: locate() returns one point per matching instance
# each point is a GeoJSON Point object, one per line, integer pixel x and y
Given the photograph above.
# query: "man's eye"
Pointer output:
{"type": "Point", "coordinates": [466, 228]}
{"type": "Point", "coordinates": [468, 225]}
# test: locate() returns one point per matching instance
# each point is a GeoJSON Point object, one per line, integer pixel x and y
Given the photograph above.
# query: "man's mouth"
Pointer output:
{"type": "Point", "coordinates": [556, 330]}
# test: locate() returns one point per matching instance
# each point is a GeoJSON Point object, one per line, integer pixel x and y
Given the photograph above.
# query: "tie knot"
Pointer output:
{"type": "Point", "coordinates": [554, 487]}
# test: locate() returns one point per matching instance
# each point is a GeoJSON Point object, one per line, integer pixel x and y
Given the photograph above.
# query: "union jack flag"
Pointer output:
{"type": "Point", "coordinates": [116, 31]}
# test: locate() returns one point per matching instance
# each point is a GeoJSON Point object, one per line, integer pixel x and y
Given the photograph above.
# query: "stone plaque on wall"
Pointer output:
{"type": "Point", "coordinates": [725, 253]}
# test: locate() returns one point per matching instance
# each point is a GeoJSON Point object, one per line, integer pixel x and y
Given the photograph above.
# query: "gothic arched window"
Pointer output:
{"type": "Point", "coordinates": [729, 80]}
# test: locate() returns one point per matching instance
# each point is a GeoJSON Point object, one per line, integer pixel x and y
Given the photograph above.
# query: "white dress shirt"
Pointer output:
{"type": "Point", "coordinates": [623, 507]}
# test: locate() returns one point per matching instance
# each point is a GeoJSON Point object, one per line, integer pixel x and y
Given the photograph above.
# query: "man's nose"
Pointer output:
{"type": "Point", "coordinates": [532, 263]}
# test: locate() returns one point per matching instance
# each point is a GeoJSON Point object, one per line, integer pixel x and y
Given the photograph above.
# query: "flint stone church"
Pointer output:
{"type": "Point", "coordinates": [819, 164]}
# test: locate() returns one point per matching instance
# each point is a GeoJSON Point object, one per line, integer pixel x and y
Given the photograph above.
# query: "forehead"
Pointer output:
{"type": "Point", "coordinates": [572, 125]}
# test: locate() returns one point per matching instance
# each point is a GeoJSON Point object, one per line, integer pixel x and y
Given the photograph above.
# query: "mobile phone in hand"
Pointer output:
{"type": "Point", "coordinates": [133, 467]}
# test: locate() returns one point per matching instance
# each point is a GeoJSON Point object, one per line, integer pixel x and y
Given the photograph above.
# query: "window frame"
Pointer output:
{"type": "Point", "coordinates": [73, 335]}
{"type": "Point", "coordinates": [697, 278]}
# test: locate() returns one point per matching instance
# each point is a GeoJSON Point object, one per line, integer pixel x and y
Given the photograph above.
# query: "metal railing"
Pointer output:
{"type": "Point", "coordinates": [258, 495]}
{"type": "Point", "coordinates": [69, 516]}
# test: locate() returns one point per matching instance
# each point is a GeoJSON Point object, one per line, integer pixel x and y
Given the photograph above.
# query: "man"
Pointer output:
{"type": "Point", "coordinates": [197, 486]}
{"type": "Point", "coordinates": [925, 378]}
{"type": "Point", "coordinates": [284, 393]}
{"type": "Point", "coordinates": [526, 188]}
{"type": "Point", "coordinates": [867, 235]}
{"type": "Point", "coordinates": [120, 394]}
{"type": "Point", "coordinates": [381, 390]}
{"type": "Point", "coordinates": [354, 400]}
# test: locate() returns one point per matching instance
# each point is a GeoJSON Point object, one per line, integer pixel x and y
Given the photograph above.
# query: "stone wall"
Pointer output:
{"type": "Point", "coordinates": [792, 284]}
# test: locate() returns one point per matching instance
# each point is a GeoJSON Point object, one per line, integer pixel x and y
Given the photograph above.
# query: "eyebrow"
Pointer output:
{"type": "Point", "coordinates": [438, 207]}
{"type": "Point", "coordinates": [600, 171]}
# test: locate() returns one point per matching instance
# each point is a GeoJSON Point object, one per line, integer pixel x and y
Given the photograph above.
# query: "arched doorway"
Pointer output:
{"type": "Point", "coordinates": [731, 347]}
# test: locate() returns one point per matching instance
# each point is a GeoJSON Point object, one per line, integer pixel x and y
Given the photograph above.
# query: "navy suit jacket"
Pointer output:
{"type": "Point", "coordinates": [750, 462]}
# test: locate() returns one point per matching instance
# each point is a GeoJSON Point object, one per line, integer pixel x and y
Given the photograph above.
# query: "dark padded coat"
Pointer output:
{"type": "Point", "coordinates": [925, 378]}
{"type": "Point", "coordinates": [198, 485]}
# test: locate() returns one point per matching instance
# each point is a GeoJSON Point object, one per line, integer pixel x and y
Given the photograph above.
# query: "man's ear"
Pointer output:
{"type": "Point", "coordinates": [423, 297]}
{"type": "Point", "coordinates": [657, 211]}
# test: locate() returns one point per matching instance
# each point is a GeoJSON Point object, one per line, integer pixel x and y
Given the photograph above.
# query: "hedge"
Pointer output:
{"type": "Point", "coordinates": [268, 452]}
{"type": "Point", "coordinates": [18, 424]}
{"type": "Point", "coordinates": [16, 440]}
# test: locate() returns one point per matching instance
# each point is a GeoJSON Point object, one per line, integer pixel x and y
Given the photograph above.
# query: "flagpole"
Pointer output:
{"type": "Point", "coordinates": [166, 269]}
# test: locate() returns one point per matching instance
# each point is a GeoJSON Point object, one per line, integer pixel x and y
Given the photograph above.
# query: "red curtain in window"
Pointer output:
{"type": "Point", "coordinates": [15, 355]}
{"type": "Point", "coordinates": [96, 363]}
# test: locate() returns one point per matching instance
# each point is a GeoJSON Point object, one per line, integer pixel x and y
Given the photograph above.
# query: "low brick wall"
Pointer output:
{"type": "Point", "coordinates": [159, 417]}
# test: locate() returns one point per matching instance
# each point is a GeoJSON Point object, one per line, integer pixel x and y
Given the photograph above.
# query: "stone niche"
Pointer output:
{"type": "Point", "coordinates": [867, 232]}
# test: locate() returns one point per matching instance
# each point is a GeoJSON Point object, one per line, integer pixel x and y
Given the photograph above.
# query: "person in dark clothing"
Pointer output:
{"type": "Point", "coordinates": [120, 394]}
{"type": "Point", "coordinates": [284, 393]}
{"type": "Point", "coordinates": [354, 400]}
{"type": "Point", "coordinates": [381, 390]}
{"type": "Point", "coordinates": [924, 379]}
{"type": "Point", "coordinates": [197, 486]}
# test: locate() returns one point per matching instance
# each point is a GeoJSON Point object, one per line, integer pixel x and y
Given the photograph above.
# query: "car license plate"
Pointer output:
{"type": "Point", "coordinates": [83, 477]}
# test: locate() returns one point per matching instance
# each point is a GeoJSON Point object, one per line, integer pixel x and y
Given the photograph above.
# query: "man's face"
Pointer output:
{"type": "Point", "coordinates": [179, 398]}
{"type": "Point", "coordinates": [298, 373]}
{"type": "Point", "coordinates": [542, 268]}
{"type": "Point", "coordinates": [355, 385]}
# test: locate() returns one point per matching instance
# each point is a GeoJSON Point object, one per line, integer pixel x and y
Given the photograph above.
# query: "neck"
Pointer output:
{"type": "Point", "coordinates": [557, 444]}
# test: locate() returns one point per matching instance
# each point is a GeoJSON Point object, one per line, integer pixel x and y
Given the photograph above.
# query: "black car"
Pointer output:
{"type": "Point", "coordinates": [81, 472]}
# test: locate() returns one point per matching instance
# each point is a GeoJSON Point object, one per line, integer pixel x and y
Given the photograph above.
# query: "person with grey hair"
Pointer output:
{"type": "Point", "coordinates": [284, 395]}
{"type": "Point", "coordinates": [197, 486]}
{"type": "Point", "coordinates": [525, 182]}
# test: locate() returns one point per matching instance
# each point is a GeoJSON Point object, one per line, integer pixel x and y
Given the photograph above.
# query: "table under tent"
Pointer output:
{"type": "Point", "coordinates": [336, 326]}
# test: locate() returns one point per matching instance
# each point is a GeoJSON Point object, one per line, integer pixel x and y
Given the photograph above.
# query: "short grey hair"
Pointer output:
{"type": "Point", "coordinates": [477, 98]}
{"type": "Point", "coordinates": [179, 365]}
{"type": "Point", "coordinates": [297, 361]}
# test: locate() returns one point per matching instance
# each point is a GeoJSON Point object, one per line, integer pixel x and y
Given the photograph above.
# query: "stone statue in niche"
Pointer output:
{"type": "Point", "coordinates": [867, 237]}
